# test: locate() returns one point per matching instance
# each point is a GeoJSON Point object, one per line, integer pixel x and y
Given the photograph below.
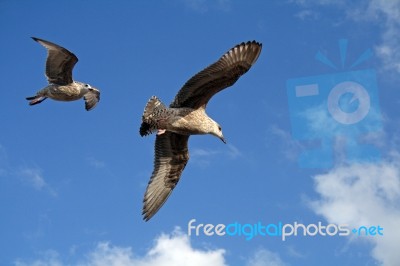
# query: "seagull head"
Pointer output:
{"type": "Point", "coordinates": [94, 89]}
{"type": "Point", "coordinates": [87, 87]}
{"type": "Point", "coordinates": [217, 131]}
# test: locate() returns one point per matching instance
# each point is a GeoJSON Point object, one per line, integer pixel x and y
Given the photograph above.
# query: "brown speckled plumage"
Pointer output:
{"type": "Point", "coordinates": [186, 116]}
{"type": "Point", "coordinates": [59, 65]}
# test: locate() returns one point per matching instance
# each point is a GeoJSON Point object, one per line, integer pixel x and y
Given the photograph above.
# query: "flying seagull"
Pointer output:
{"type": "Point", "coordinates": [62, 87]}
{"type": "Point", "coordinates": [186, 116]}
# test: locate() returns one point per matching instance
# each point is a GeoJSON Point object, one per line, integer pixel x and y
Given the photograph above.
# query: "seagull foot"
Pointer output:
{"type": "Point", "coordinates": [161, 131]}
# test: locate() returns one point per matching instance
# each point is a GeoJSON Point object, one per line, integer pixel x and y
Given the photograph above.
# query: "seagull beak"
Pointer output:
{"type": "Point", "coordinates": [223, 139]}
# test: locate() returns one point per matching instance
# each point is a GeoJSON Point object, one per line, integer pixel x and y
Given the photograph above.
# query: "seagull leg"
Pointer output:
{"type": "Point", "coordinates": [161, 131]}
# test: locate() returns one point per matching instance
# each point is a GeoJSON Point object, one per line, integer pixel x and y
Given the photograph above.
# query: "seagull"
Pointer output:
{"type": "Point", "coordinates": [186, 116]}
{"type": "Point", "coordinates": [62, 87]}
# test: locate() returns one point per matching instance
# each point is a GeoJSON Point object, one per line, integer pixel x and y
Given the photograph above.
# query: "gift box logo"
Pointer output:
{"type": "Point", "coordinates": [333, 113]}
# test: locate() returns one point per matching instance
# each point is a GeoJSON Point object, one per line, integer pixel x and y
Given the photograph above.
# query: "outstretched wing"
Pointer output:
{"type": "Point", "coordinates": [59, 63]}
{"type": "Point", "coordinates": [224, 73]}
{"type": "Point", "coordinates": [92, 97]}
{"type": "Point", "coordinates": [171, 156]}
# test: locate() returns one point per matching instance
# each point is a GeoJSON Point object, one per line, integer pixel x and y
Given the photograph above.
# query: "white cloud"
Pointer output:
{"type": "Point", "coordinates": [174, 249]}
{"type": "Point", "coordinates": [34, 178]}
{"type": "Point", "coordinates": [364, 194]}
{"type": "Point", "coordinates": [168, 249]}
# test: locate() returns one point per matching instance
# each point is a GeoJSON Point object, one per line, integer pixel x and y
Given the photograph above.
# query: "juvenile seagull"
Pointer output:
{"type": "Point", "coordinates": [186, 116]}
{"type": "Point", "coordinates": [59, 65]}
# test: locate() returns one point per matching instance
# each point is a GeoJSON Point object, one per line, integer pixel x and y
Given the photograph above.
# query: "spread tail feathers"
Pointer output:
{"type": "Point", "coordinates": [36, 99]}
{"type": "Point", "coordinates": [153, 107]}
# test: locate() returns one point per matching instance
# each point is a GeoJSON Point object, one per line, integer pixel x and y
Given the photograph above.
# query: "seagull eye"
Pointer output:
{"type": "Point", "coordinates": [87, 85]}
{"type": "Point", "coordinates": [219, 128]}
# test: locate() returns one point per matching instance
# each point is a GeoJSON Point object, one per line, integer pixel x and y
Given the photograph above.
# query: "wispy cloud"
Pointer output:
{"type": "Point", "coordinates": [202, 6]}
{"type": "Point", "coordinates": [34, 177]}
{"type": "Point", "coordinates": [50, 258]}
{"type": "Point", "coordinates": [387, 12]}
{"type": "Point", "coordinates": [199, 152]}
{"type": "Point", "coordinates": [364, 194]}
{"type": "Point", "coordinates": [3, 161]}
{"type": "Point", "coordinates": [95, 162]}
{"type": "Point", "coordinates": [293, 252]}
{"type": "Point", "coordinates": [3, 172]}
{"type": "Point", "coordinates": [290, 148]}
{"type": "Point", "coordinates": [3, 153]}
{"type": "Point", "coordinates": [31, 176]}
{"type": "Point", "coordinates": [264, 257]}
{"type": "Point", "coordinates": [196, 5]}
{"type": "Point", "coordinates": [307, 14]}
{"type": "Point", "coordinates": [311, 3]}
{"type": "Point", "coordinates": [233, 151]}
{"type": "Point", "coordinates": [384, 13]}
{"type": "Point", "coordinates": [203, 157]}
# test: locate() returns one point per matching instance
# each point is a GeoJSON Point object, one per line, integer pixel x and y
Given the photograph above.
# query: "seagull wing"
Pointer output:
{"type": "Point", "coordinates": [224, 73]}
{"type": "Point", "coordinates": [171, 156]}
{"type": "Point", "coordinates": [59, 63]}
{"type": "Point", "coordinates": [92, 97]}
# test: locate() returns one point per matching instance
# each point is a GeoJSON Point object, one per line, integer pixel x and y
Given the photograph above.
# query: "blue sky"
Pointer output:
{"type": "Point", "coordinates": [72, 182]}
